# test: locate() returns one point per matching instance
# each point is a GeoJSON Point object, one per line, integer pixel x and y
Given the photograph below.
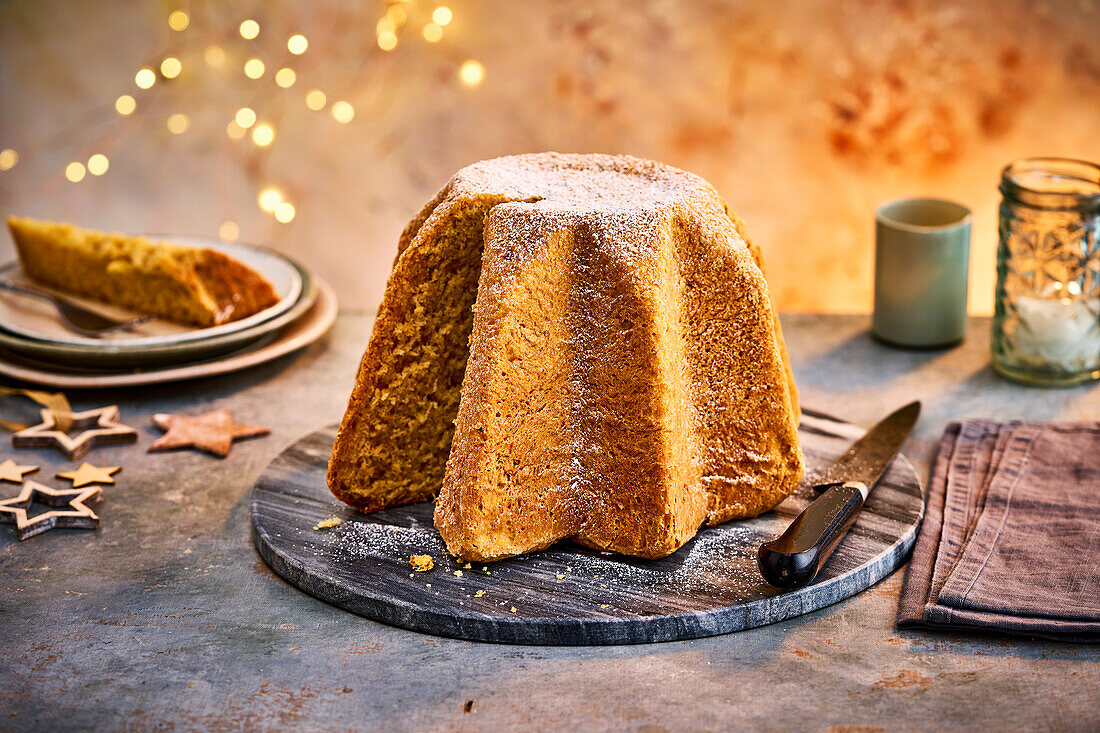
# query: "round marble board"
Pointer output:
{"type": "Point", "coordinates": [568, 595]}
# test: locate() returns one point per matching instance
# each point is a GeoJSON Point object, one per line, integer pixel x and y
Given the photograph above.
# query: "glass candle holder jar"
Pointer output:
{"type": "Point", "coordinates": [1046, 322]}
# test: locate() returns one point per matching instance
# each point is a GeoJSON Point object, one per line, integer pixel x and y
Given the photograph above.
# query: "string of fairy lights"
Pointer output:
{"type": "Point", "coordinates": [246, 124]}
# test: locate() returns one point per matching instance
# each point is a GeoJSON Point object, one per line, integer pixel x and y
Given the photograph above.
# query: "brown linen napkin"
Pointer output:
{"type": "Point", "coordinates": [1011, 535]}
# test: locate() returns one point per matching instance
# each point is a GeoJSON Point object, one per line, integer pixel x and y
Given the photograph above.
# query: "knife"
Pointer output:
{"type": "Point", "coordinates": [795, 557]}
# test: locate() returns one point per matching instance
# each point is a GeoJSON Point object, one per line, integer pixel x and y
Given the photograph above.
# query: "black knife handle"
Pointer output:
{"type": "Point", "coordinates": [795, 557]}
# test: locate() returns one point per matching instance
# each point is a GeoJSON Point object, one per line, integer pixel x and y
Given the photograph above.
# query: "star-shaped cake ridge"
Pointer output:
{"type": "Point", "coordinates": [89, 474]}
{"type": "Point", "coordinates": [100, 427]}
{"type": "Point", "coordinates": [12, 471]}
{"type": "Point", "coordinates": [213, 432]}
{"type": "Point", "coordinates": [76, 515]}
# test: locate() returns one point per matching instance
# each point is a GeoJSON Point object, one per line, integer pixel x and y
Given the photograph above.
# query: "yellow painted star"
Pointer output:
{"type": "Point", "coordinates": [12, 471]}
{"type": "Point", "coordinates": [89, 474]}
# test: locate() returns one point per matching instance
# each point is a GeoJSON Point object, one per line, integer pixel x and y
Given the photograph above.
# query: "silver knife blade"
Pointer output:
{"type": "Point", "coordinates": [869, 457]}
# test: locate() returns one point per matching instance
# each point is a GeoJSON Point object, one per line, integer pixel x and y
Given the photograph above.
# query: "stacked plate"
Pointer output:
{"type": "Point", "coordinates": [36, 346]}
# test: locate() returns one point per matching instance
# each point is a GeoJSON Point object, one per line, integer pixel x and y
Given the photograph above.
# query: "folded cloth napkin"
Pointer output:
{"type": "Point", "coordinates": [1011, 534]}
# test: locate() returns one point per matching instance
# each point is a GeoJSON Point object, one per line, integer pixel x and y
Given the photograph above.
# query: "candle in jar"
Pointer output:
{"type": "Point", "coordinates": [1061, 332]}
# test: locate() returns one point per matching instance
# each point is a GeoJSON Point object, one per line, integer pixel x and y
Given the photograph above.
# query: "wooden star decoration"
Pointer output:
{"type": "Point", "coordinates": [100, 427]}
{"type": "Point", "coordinates": [12, 471]}
{"type": "Point", "coordinates": [89, 474]}
{"type": "Point", "coordinates": [213, 432]}
{"type": "Point", "coordinates": [76, 515]}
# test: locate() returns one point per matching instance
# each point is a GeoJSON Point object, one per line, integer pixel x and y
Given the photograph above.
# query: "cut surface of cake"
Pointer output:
{"type": "Point", "coordinates": [193, 285]}
{"type": "Point", "coordinates": [573, 346]}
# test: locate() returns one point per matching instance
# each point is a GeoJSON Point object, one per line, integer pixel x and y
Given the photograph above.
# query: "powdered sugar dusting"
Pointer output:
{"type": "Point", "coordinates": [675, 400]}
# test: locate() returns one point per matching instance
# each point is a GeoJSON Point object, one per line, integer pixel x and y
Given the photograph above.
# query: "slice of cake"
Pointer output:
{"type": "Point", "coordinates": [190, 285]}
{"type": "Point", "coordinates": [573, 346]}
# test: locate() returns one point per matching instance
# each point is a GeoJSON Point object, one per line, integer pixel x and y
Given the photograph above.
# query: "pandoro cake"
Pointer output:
{"type": "Point", "coordinates": [192, 285]}
{"type": "Point", "coordinates": [573, 346]}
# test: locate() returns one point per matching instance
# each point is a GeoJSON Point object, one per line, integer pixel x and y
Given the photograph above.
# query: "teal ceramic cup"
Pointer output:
{"type": "Point", "coordinates": [922, 255]}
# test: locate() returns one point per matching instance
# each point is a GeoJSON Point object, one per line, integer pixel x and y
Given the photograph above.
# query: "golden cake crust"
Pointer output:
{"type": "Point", "coordinates": [192, 285]}
{"type": "Point", "coordinates": [625, 380]}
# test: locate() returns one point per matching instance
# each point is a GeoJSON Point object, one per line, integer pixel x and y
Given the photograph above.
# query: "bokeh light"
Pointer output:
{"type": "Point", "coordinates": [285, 77]}
{"type": "Point", "coordinates": [8, 159]}
{"type": "Point", "coordinates": [316, 100]}
{"type": "Point", "coordinates": [297, 44]}
{"type": "Point", "coordinates": [269, 198]}
{"type": "Point", "coordinates": [178, 20]}
{"type": "Point", "coordinates": [98, 164]}
{"type": "Point", "coordinates": [471, 73]}
{"type": "Point", "coordinates": [432, 32]}
{"type": "Point", "coordinates": [171, 67]}
{"type": "Point", "coordinates": [145, 78]}
{"type": "Point", "coordinates": [229, 231]}
{"type": "Point", "coordinates": [284, 212]}
{"type": "Point", "coordinates": [125, 105]}
{"type": "Point", "coordinates": [253, 68]}
{"type": "Point", "coordinates": [234, 131]}
{"type": "Point", "coordinates": [397, 15]}
{"type": "Point", "coordinates": [178, 123]}
{"type": "Point", "coordinates": [245, 117]}
{"type": "Point", "coordinates": [249, 29]}
{"type": "Point", "coordinates": [343, 112]}
{"type": "Point", "coordinates": [75, 172]}
{"type": "Point", "coordinates": [214, 56]}
{"type": "Point", "coordinates": [442, 15]}
{"type": "Point", "coordinates": [263, 135]}
{"type": "Point", "coordinates": [387, 40]}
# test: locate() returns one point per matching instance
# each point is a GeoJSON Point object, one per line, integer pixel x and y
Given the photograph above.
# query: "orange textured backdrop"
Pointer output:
{"type": "Point", "coordinates": [803, 113]}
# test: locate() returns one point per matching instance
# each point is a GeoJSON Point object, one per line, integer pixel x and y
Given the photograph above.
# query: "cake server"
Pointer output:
{"type": "Point", "coordinates": [794, 558]}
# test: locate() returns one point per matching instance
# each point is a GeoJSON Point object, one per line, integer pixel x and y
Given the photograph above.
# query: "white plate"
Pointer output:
{"type": "Point", "coordinates": [299, 334]}
{"type": "Point", "coordinates": [36, 319]}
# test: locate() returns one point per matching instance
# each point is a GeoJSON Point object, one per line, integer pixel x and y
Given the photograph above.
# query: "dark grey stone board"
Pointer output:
{"type": "Point", "coordinates": [568, 595]}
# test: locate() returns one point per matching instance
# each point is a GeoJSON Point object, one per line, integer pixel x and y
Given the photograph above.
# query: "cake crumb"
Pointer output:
{"type": "Point", "coordinates": [467, 566]}
{"type": "Point", "coordinates": [512, 609]}
{"type": "Point", "coordinates": [603, 605]}
{"type": "Point", "coordinates": [421, 563]}
{"type": "Point", "coordinates": [327, 523]}
{"type": "Point", "coordinates": [458, 573]}
{"type": "Point", "coordinates": [480, 593]}
{"type": "Point", "coordinates": [561, 577]}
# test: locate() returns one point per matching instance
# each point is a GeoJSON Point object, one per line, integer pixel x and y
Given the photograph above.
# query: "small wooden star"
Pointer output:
{"type": "Point", "coordinates": [213, 432]}
{"type": "Point", "coordinates": [89, 474]}
{"type": "Point", "coordinates": [76, 516]}
{"type": "Point", "coordinates": [101, 427]}
{"type": "Point", "coordinates": [12, 471]}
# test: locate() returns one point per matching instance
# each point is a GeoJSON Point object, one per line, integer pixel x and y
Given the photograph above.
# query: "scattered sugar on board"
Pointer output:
{"type": "Point", "coordinates": [366, 539]}
{"type": "Point", "coordinates": [724, 555]}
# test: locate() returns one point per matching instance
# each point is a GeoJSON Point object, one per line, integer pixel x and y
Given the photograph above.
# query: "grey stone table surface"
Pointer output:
{"type": "Point", "coordinates": [166, 617]}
